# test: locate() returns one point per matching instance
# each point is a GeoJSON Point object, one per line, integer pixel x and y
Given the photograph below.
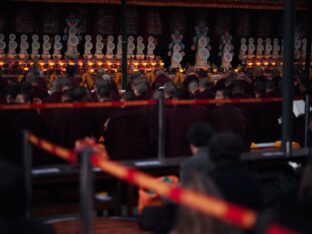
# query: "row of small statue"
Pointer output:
{"type": "Point", "coordinates": [72, 44]}
{"type": "Point", "coordinates": [266, 50]}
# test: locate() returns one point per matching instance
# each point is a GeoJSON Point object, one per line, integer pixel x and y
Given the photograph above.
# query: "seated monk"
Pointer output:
{"type": "Point", "coordinates": [228, 118]}
{"type": "Point", "coordinates": [126, 134]}
{"type": "Point", "coordinates": [68, 125]}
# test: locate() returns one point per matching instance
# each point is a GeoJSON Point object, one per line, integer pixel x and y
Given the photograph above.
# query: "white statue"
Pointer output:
{"type": "Point", "coordinates": [276, 49]}
{"type": "Point", "coordinates": [260, 48]}
{"type": "Point", "coordinates": [140, 48]}
{"type": "Point", "coordinates": [268, 48]}
{"type": "Point", "coordinates": [24, 45]}
{"type": "Point", "coordinates": [303, 53]}
{"type": "Point", "coordinates": [12, 46]}
{"type": "Point", "coordinates": [176, 48]}
{"type": "Point", "coordinates": [99, 45]}
{"type": "Point", "coordinates": [88, 47]}
{"type": "Point", "coordinates": [119, 47]}
{"type": "Point", "coordinates": [251, 48]}
{"type": "Point", "coordinates": [110, 47]}
{"type": "Point", "coordinates": [46, 47]}
{"type": "Point", "coordinates": [2, 46]}
{"type": "Point", "coordinates": [226, 50]}
{"type": "Point", "coordinates": [201, 43]}
{"type": "Point", "coordinates": [57, 47]}
{"type": "Point", "coordinates": [131, 47]}
{"type": "Point", "coordinates": [35, 45]}
{"type": "Point", "coordinates": [151, 45]}
{"type": "Point", "coordinates": [72, 43]}
{"type": "Point", "coordinates": [243, 49]}
{"type": "Point", "coordinates": [297, 46]}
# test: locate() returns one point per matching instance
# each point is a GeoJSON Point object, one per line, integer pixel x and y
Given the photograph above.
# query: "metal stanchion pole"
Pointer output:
{"type": "Point", "coordinates": [124, 44]}
{"type": "Point", "coordinates": [27, 158]}
{"type": "Point", "coordinates": [289, 35]}
{"type": "Point", "coordinates": [307, 142]}
{"type": "Point", "coordinates": [86, 191]}
{"type": "Point", "coordinates": [161, 126]}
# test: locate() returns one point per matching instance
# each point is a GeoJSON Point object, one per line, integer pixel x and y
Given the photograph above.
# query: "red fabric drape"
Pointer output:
{"type": "Point", "coordinates": [237, 4]}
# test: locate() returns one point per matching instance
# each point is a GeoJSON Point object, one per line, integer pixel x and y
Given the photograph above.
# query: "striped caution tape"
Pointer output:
{"type": "Point", "coordinates": [215, 207]}
{"type": "Point", "coordinates": [139, 103]}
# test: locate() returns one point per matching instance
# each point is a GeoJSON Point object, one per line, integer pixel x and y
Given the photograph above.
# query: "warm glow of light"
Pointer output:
{"type": "Point", "coordinates": [71, 64]}
{"type": "Point", "coordinates": [80, 64]}
{"type": "Point", "coordinates": [1, 63]}
{"type": "Point", "coordinates": [273, 63]}
{"type": "Point", "coordinates": [181, 70]}
{"type": "Point", "coordinates": [63, 69]}
{"type": "Point", "coordinates": [90, 64]}
{"type": "Point", "coordinates": [26, 68]}
{"type": "Point", "coordinates": [61, 63]}
{"type": "Point", "coordinates": [153, 64]}
{"type": "Point", "coordinates": [162, 63]}
{"type": "Point", "coordinates": [135, 70]}
{"type": "Point", "coordinates": [99, 63]}
{"type": "Point", "coordinates": [136, 64]}
{"type": "Point", "coordinates": [215, 70]}
{"type": "Point", "coordinates": [144, 64]}
{"type": "Point", "coordinates": [109, 63]}
{"type": "Point", "coordinates": [250, 64]}
{"type": "Point", "coordinates": [92, 70]}
{"type": "Point", "coordinates": [42, 64]}
{"type": "Point", "coordinates": [51, 64]}
{"type": "Point", "coordinates": [236, 70]}
{"type": "Point", "coordinates": [266, 63]}
{"type": "Point", "coordinates": [258, 63]}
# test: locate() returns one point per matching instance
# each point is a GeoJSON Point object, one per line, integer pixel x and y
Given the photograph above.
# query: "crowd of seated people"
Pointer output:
{"type": "Point", "coordinates": [135, 128]}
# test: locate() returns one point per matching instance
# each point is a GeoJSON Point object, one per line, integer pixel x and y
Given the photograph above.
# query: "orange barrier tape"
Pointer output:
{"type": "Point", "coordinates": [53, 149]}
{"type": "Point", "coordinates": [76, 105]}
{"type": "Point", "coordinates": [215, 207]}
{"type": "Point", "coordinates": [138, 103]}
{"type": "Point", "coordinates": [276, 229]}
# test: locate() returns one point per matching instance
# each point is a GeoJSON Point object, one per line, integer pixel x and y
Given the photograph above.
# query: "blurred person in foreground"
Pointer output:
{"type": "Point", "coordinates": [199, 136]}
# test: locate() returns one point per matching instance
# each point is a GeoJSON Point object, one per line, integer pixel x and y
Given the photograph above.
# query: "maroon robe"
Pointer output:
{"type": "Point", "coordinates": [126, 136]}
{"type": "Point", "coordinates": [228, 118]}
{"type": "Point", "coordinates": [55, 97]}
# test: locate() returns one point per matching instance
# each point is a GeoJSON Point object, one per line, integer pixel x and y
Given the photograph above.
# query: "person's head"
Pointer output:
{"type": "Point", "coordinates": [199, 136]}
{"type": "Point", "coordinates": [12, 193]}
{"type": "Point", "coordinates": [104, 93]}
{"type": "Point", "coordinates": [23, 98]}
{"type": "Point", "coordinates": [79, 94]}
{"type": "Point", "coordinates": [127, 96]}
{"type": "Point", "coordinates": [99, 82]}
{"type": "Point", "coordinates": [222, 94]}
{"type": "Point", "coordinates": [237, 88]}
{"type": "Point", "coordinates": [140, 89]}
{"type": "Point", "coordinates": [195, 222]}
{"type": "Point", "coordinates": [56, 86]}
{"type": "Point", "coordinates": [66, 84]}
{"type": "Point", "coordinates": [225, 147]}
{"type": "Point", "coordinates": [34, 79]}
{"type": "Point", "coordinates": [99, 73]}
{"type": "Point", "coordinates": [193, 87]}
{"type": "Point", "coordinates": [169, 90]}
{"type": "Point", "coordinates": [12, 92]}
{"type": "Point", "coordinates": [204, 84]}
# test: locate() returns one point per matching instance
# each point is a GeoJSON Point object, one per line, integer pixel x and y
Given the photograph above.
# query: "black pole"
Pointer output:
{"type": "Point", "coordinates": [161, 126]}
{"type": "Point", "coordinates": [86, 191]}
{"type": "Point", "coordinates": [289, 34]}
{"type": "Point", "coordinates": [27, 157]}
{"type": "Point", "coordinates": [307, 71]}
{"type": "Point", "coordinates": [124, 44]}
